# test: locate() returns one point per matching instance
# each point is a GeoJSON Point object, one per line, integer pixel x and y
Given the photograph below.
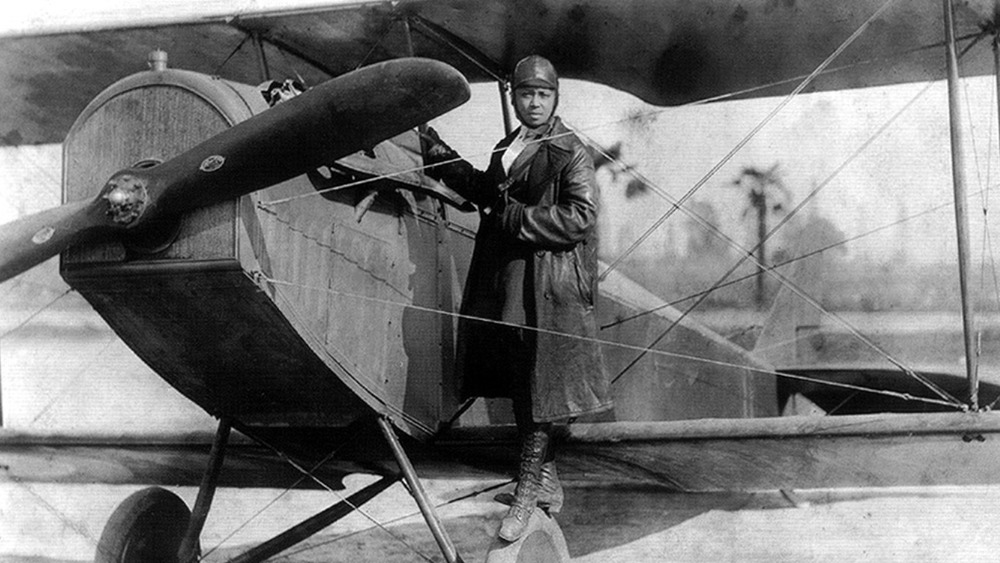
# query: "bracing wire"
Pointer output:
{"type": "Point", "coordinates": [744, 141]}
{"type": "Point", "coordinates": [853, 330]}
{"type": "Point", "coordinates": [791, 286]}
{"type": "Point", "coordinates": [979, 178]}
{"type": "Point", "coordinates": [359, 510]}
{"type": "Point", "coordinates": [987, 250]}
{"type": "Point", "coordinates": [857, 389]}
{"type": "Point", "coordinates": [260, 277]}
{"type": "Point", "coordinates": [986, 198]}
{"type": "Point", "coordinates": [376, 45]}
{"type": "Point", "coordinates": [611, 343]}
{"type": "Point", "coordinates": [657, 112]}
{"type": "Point", "coordinates": [79, 371]}
{"type": "Point", "coordinates": [218, 69]}
{"type": "Point", "coordinates": [310, 474]}
{"type": "Point", "coordinates": [993, 264]}
{"type": "Point", "coordinates": [987, 237]}
{"type": "Point", "coordinates": [818, 71]}
{"type": "Point", "coordinates": [272, 502]}
{"type": "Point", "coordinates": [953, 402]}
{"type": "Point", "coordinates": [749, 254]}
{"type": "Point", "coordinates": [679, 204]}
{"type": "Point", "coordinates": [79, 528]}
{"type": "Point", "coordinates": [792, 260]}
{"type": "Point", "coordinates": [397, 520]}
{"type": "Point", "coordinates": [72, 381]}
{"type": "Point", "coordinates": [264, 278]}
{"type": "Point", "coordinates": [32, 317]}
{"type": "Point", "coordinates": [289, 64]}
{"type": "Point", "coordinates": [428, 29]}
{"type": "Point", "coordinates": [253, 517]}
{"type": "Point", "coordinates": [44, 169]}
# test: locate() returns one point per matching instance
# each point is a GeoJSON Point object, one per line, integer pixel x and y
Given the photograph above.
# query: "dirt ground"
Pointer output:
{"type": "Point", "coordinates": [61, 523]}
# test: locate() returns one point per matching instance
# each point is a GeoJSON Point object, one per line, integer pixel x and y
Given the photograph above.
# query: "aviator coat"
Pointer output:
{"type": "Point", "coordinates": [545, 215]}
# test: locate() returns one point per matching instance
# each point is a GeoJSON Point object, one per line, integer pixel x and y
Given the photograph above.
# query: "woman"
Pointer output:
{"type": "Point", "coordinates": [529, 328]}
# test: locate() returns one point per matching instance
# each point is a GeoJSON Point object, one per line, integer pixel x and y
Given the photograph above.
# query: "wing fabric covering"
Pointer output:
{"type": "Point", "coordinates": [666, 52]}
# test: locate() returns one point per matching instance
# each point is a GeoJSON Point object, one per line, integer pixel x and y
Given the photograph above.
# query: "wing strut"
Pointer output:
{"type": "Point", "coordinates": [961, 194]}
{"type": "Point", "coordinates": [262, 66]}
{"type": "Point", "coordinates": [508, 124]}
{"type": "Point", "coordinates": [477, 57]}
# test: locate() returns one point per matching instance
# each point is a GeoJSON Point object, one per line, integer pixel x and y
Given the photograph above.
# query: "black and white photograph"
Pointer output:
{"type": "Point", "coordinates": [499, 281]}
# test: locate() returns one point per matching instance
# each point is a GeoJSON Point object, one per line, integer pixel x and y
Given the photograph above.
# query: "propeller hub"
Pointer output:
{"type": "Point", "coordinates": [126, 196]}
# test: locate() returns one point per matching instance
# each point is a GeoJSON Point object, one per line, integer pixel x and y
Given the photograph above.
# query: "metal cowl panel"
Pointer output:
{"type": "Point", "coordinates": [288, 315]}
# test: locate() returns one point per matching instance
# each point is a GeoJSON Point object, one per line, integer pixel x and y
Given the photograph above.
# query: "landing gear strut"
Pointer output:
{"type": "Point", "coordinates": [155, 526]}
{"type": "Point", "coordinates": [417, 490]}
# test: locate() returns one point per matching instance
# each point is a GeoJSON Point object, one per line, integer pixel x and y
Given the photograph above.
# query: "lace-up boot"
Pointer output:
{"type": "Point", "coordinates": [533, 447]}
{"type": "Point", "coordinates": [550, 492]}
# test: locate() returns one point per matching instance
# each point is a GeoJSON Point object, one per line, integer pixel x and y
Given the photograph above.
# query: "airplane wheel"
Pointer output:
{"type": "Point", "coordinates": [147, 527]}
{"type": "Point", "coordinates": [542, 542]}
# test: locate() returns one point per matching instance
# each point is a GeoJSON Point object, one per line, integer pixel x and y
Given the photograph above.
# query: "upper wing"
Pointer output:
{"type": "Point", "coordinates": [663, 51]}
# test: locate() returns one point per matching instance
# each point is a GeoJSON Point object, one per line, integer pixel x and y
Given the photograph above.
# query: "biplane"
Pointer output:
{"type": "Point", "coordinates": [292, 271]}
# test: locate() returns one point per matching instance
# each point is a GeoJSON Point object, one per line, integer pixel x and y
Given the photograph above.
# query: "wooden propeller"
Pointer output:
{"type": "Point", "coordinates": [339, 117]}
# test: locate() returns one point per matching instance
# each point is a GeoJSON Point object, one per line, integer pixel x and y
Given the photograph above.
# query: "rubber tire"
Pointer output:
{"type": "Point", "coordinates": [147, 527]}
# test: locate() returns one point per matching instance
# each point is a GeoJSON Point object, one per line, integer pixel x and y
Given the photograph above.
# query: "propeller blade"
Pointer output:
{"type": "Point", "coordinates": [346, 114]}
{"type": "Point", "coordinates": [31, 240]}
{"type": "Point", "coordinates": [349, 113]}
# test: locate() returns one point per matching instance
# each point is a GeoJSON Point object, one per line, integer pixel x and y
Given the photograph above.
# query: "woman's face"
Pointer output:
{"type": "Point", "coordinates": [534, 105]}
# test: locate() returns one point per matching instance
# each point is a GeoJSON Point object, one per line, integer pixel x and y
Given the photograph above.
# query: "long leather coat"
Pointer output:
{"type": "Point", "coordinates": [547, 214]}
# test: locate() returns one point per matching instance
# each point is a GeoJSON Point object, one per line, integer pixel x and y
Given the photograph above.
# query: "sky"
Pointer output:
{"type": "Point", "coordinates": [903, 171]}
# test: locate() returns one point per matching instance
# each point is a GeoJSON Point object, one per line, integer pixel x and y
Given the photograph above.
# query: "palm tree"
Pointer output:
{"type": "Point", "coordinates": [611, 158]}
{"type": "Point", "coordinates": [766, 193]}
